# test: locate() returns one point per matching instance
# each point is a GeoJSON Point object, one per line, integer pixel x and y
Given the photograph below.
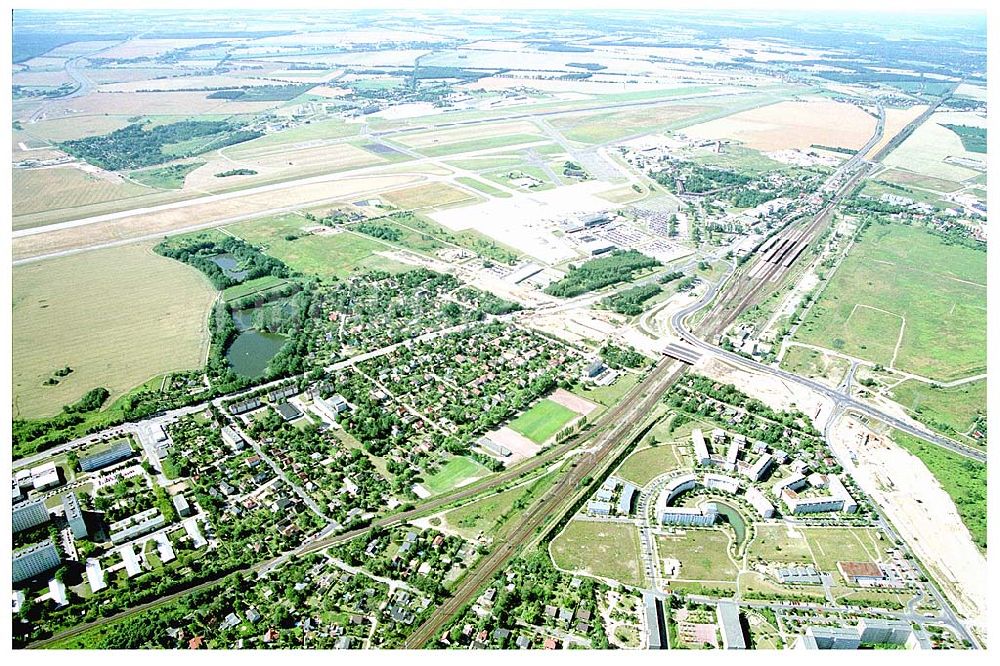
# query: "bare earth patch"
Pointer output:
{"type": "Point", "coordinates": [579, 405]}
{"type": "Point", "coordinates": [921, 510]}
{"type": "Point", "coordinates": [520, 446]}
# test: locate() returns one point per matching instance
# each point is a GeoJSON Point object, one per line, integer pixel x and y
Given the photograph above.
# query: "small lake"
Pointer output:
{"type": "Point", "coordinates": [229, 265]}
{"type": "Point", "coordinates": [252, 350]}
{"type": "Point", "coordinates": [734, 518]}
{"type": "Point", "coordinates": [243, 319]}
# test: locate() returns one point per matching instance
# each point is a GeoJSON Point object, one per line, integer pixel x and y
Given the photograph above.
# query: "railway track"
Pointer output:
{"type": "Point", "coordinates": [606, 424]}
{"type": "Point", "coordinates": [778, 257]}
{"type": "Point", "coordinates": [629, 413]}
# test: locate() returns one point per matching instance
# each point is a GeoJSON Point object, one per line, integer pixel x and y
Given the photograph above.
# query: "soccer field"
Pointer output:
{"type": "Point", "coordinates": [454, 473]}
{"type": "Point", "coordinates": [542, 421]}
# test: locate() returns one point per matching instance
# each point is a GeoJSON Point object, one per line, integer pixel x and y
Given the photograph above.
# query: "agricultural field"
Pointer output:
{"type": "Point", "coordinates": [962, 478]}
{"type": "Point", "coordinates": [703, 554]}
{"type": "Point", "coordinates": [911, 179]}
{"type": "Point", "coordinates": [927, 148]}
{"type": "Point", "coordinates": [325, 255]}
{"type": "Point", "coordinates": [792, 124]}
{"type": "Point", "coordinates": [601, 549]}
{"type": "Point", "coordinates": [455, 473]}
{"type": "Point", "coordinates": [925, 313]}
{"type": "Point", "coordinates": [895, 121]}
{"type": "Point", "coordinates": [115, 316]}
{"type": "Point", "coordinates": [542, 421]}
{"type": "Point", "coordinates": [953, 409]}
{"type": "Point", "coordinates": [64, 189]}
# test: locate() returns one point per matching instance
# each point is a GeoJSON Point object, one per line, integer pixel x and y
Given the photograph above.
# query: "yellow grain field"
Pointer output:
{"type": "Point", "coordinates": [788, 125]}
{"type": "Point", "coordinates": [895, 121]}
{"type": "Point", "coordinates": [64, 188]}
{"type": "Point", "coordinates": [117, 316]}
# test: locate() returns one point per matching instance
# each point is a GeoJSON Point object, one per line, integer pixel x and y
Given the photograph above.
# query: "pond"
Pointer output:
{"type": "Point", "coordinates": [252, 350]}
{"type": "Point", "coordinates": [229, 265]}
{"type": "Point", "coordinates": [734, 518]}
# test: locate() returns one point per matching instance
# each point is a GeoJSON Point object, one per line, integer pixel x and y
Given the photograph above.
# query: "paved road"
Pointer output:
{"type": "Point", "coordinates": [840, 399]}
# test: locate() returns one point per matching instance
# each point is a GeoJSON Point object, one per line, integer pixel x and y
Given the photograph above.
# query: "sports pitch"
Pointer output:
{"type": "Point", "coordinates": [454, 473]}
{"type": "Point", "coordinates": [542, 421]}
